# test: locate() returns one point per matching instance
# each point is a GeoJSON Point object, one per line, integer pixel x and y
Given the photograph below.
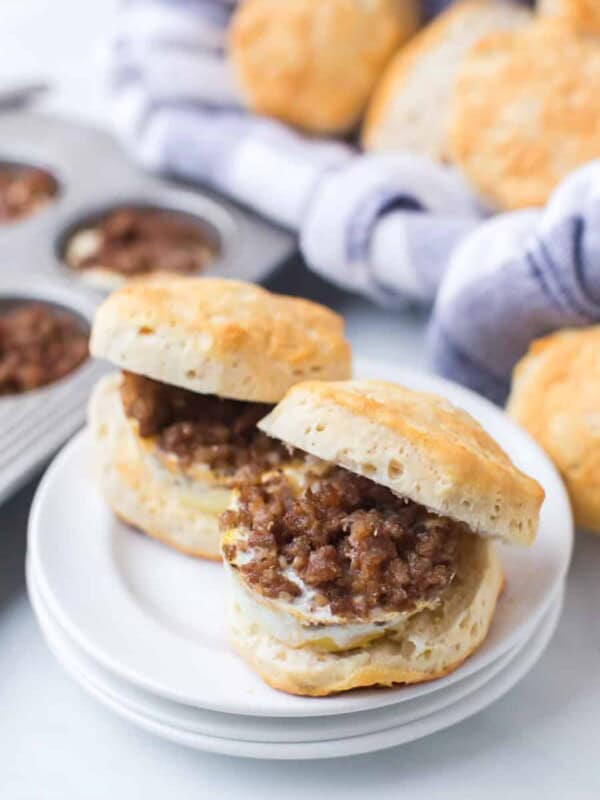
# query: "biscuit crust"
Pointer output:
{"type": "Point", "coordinates": [143, 492]}
{"type": "Point", "coordinates": [311, 63]}
{"type": "Point", "coordinates": [554, 396]}
{"type": "Point", "coordinates": [582, 14]}
{"type": "Point", "coordinates": [525, 112]}
{"type": "Point", "coordinates": [220, 337]}
{"type": "Point", "coordinates": [418, 445]}
{"type": "Point", "coordinates": [430, 644]}
{"type": "Point", "coordinates": [410, 106]}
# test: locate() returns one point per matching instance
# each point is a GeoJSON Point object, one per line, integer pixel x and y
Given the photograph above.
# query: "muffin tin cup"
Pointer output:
{"type": "Point", "coordinates": [34, 424]}
{"type": "Point", "coordinates": [93, 175]}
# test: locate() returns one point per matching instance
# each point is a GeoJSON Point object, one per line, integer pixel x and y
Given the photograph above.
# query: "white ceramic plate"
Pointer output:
{"type": "Point", "coordinates": [154, 617]}
{"type": "Point", "coordinates": [231, 726]}
{"type": "Point", "coordinates": [98, 684]}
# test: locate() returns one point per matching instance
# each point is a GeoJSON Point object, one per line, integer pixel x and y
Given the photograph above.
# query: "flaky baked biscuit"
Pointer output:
{"type": "Point", "coordinates": [418, 445]}
{"type": "Point", "coordinates": [525, 112]}
{"type": "Point", "coordinates": [410, 106]}
{"type": "Point", "coordinates": [556, 397]}
{"type": "Point", "coordinates": [308, 642]}
{"type": "Point", "coordinates": [141, 490]}
{"type": "Point", "coordinates": [220, 337]}
{"type": "Point", "coordinates": [313, 63]}
{"type": "Point", "coordinates": [583, 14]}
{"type": "Point", "coordinates": [431, 644]}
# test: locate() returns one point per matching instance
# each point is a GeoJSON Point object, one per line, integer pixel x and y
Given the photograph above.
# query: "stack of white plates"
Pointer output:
{"type": "Point", "coordinates": [142, 628]}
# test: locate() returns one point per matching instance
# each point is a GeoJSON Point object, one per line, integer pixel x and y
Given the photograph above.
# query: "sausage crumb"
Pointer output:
{"type": "Point", "coordinates": [139, 241]}
{"type": "Point", "coordinates": [23, 191]}
{"type": "Point", "coordinates": [38, 345]}
{"type": "Point", "coordinates": [354, 543]}
{"type": "Point", "coordinates": [203, 428]}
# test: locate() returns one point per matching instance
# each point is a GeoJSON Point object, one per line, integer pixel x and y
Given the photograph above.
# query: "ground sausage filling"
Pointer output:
{"type": "Point", "coordinates": [23, 191]}
{"type": "Point", "coordinates": [203, 428]}
{"type": "Point", "coordinates": [354, 543]}
{"type": "Point", "coordinates": [138, 241]}
{"type": "Point", "coordinates": [38, 345]}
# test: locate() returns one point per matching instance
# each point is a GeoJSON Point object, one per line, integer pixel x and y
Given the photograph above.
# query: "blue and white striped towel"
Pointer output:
{"type": "Point", "coordinates": [393, 227]}
{"type": "Point", "coordinates": [517, 277]}
{"type": "Point", "coordinates": [374, 224]}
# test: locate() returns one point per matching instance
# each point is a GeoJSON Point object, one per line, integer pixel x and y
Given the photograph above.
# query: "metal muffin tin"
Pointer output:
{"type": "Point", "coordinates": [35, 424]}
{"type": "Point", "coordinates": [93, 175]}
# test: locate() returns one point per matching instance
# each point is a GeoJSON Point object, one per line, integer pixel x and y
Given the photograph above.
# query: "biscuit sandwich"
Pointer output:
{"type": "Point", "coordinates": [202, 360]}
{"type": "Point", "coordinates": [375, 565]}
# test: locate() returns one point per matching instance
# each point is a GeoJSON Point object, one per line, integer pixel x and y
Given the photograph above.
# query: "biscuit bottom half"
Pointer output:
{"type": "Point", "coordinates": [166, 504]}
{"type": "Point", "coordinates": [426, 645]}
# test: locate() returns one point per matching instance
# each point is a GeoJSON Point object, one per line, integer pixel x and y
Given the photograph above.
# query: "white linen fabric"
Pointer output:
{"type": "Point", "coordinates": [394, 227]}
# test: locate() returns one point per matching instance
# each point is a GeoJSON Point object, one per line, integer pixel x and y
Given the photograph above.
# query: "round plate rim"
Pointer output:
{"type": "Point", "coordinates": [313, 707]}
{"type": "Point", "coordinates": [390, 737]}
{"type": "Point", "coordinates": [276, 729]}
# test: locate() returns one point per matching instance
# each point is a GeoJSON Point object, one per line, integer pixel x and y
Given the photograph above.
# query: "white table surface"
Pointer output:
{"type": "Point", "coordinates": [56, 743]}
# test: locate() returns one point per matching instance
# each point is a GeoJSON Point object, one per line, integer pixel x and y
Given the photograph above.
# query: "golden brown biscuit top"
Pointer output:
{"type": "Point", "coordinates": [236, 314]}
{"type": "Point", "coordinates": [525, 111]}
{"type": "Point", "coordinates": [556, 397]}
{"type": "Point", "coordinates": [425, 418]}
{"type": "Point", "coordinates": [313, 63]}
{"type": "Point", "coordinates": [565, 369]}
{"type": "Point", "coordinates": [583, 14]}
{"type": "Point", "coordinates": [220, 336]}
{"type": "Point", "coordinates": [419, 445]}
{"type": "Point", "coordinates": [447, 33]}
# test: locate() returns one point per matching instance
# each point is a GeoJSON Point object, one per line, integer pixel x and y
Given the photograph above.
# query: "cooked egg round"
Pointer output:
{"type": "Point", "coordinates": [299, 622]}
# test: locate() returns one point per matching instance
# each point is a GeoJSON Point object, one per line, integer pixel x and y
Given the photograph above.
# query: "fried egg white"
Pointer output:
{"type": "Point", "coordinates": [217, 491]}
{"type": "Point", "coordinates": [300, 622]}
{"type": "Point", "coordinates": [198, 489]}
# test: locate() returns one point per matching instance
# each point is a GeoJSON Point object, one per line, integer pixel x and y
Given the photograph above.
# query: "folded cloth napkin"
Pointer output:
{"type": "Point", "coordinates": [517, 277]}
{"type": "Point", "coordinates": [381, 225]}
{"type": "Point", "coordinates": [393, 227]}
{"type": "Point", "coordinates": [177, 110]}
{"type": "Point", "coordinates": [385, 225]}
{"type": "Point", "coordinates": [168, 54]}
